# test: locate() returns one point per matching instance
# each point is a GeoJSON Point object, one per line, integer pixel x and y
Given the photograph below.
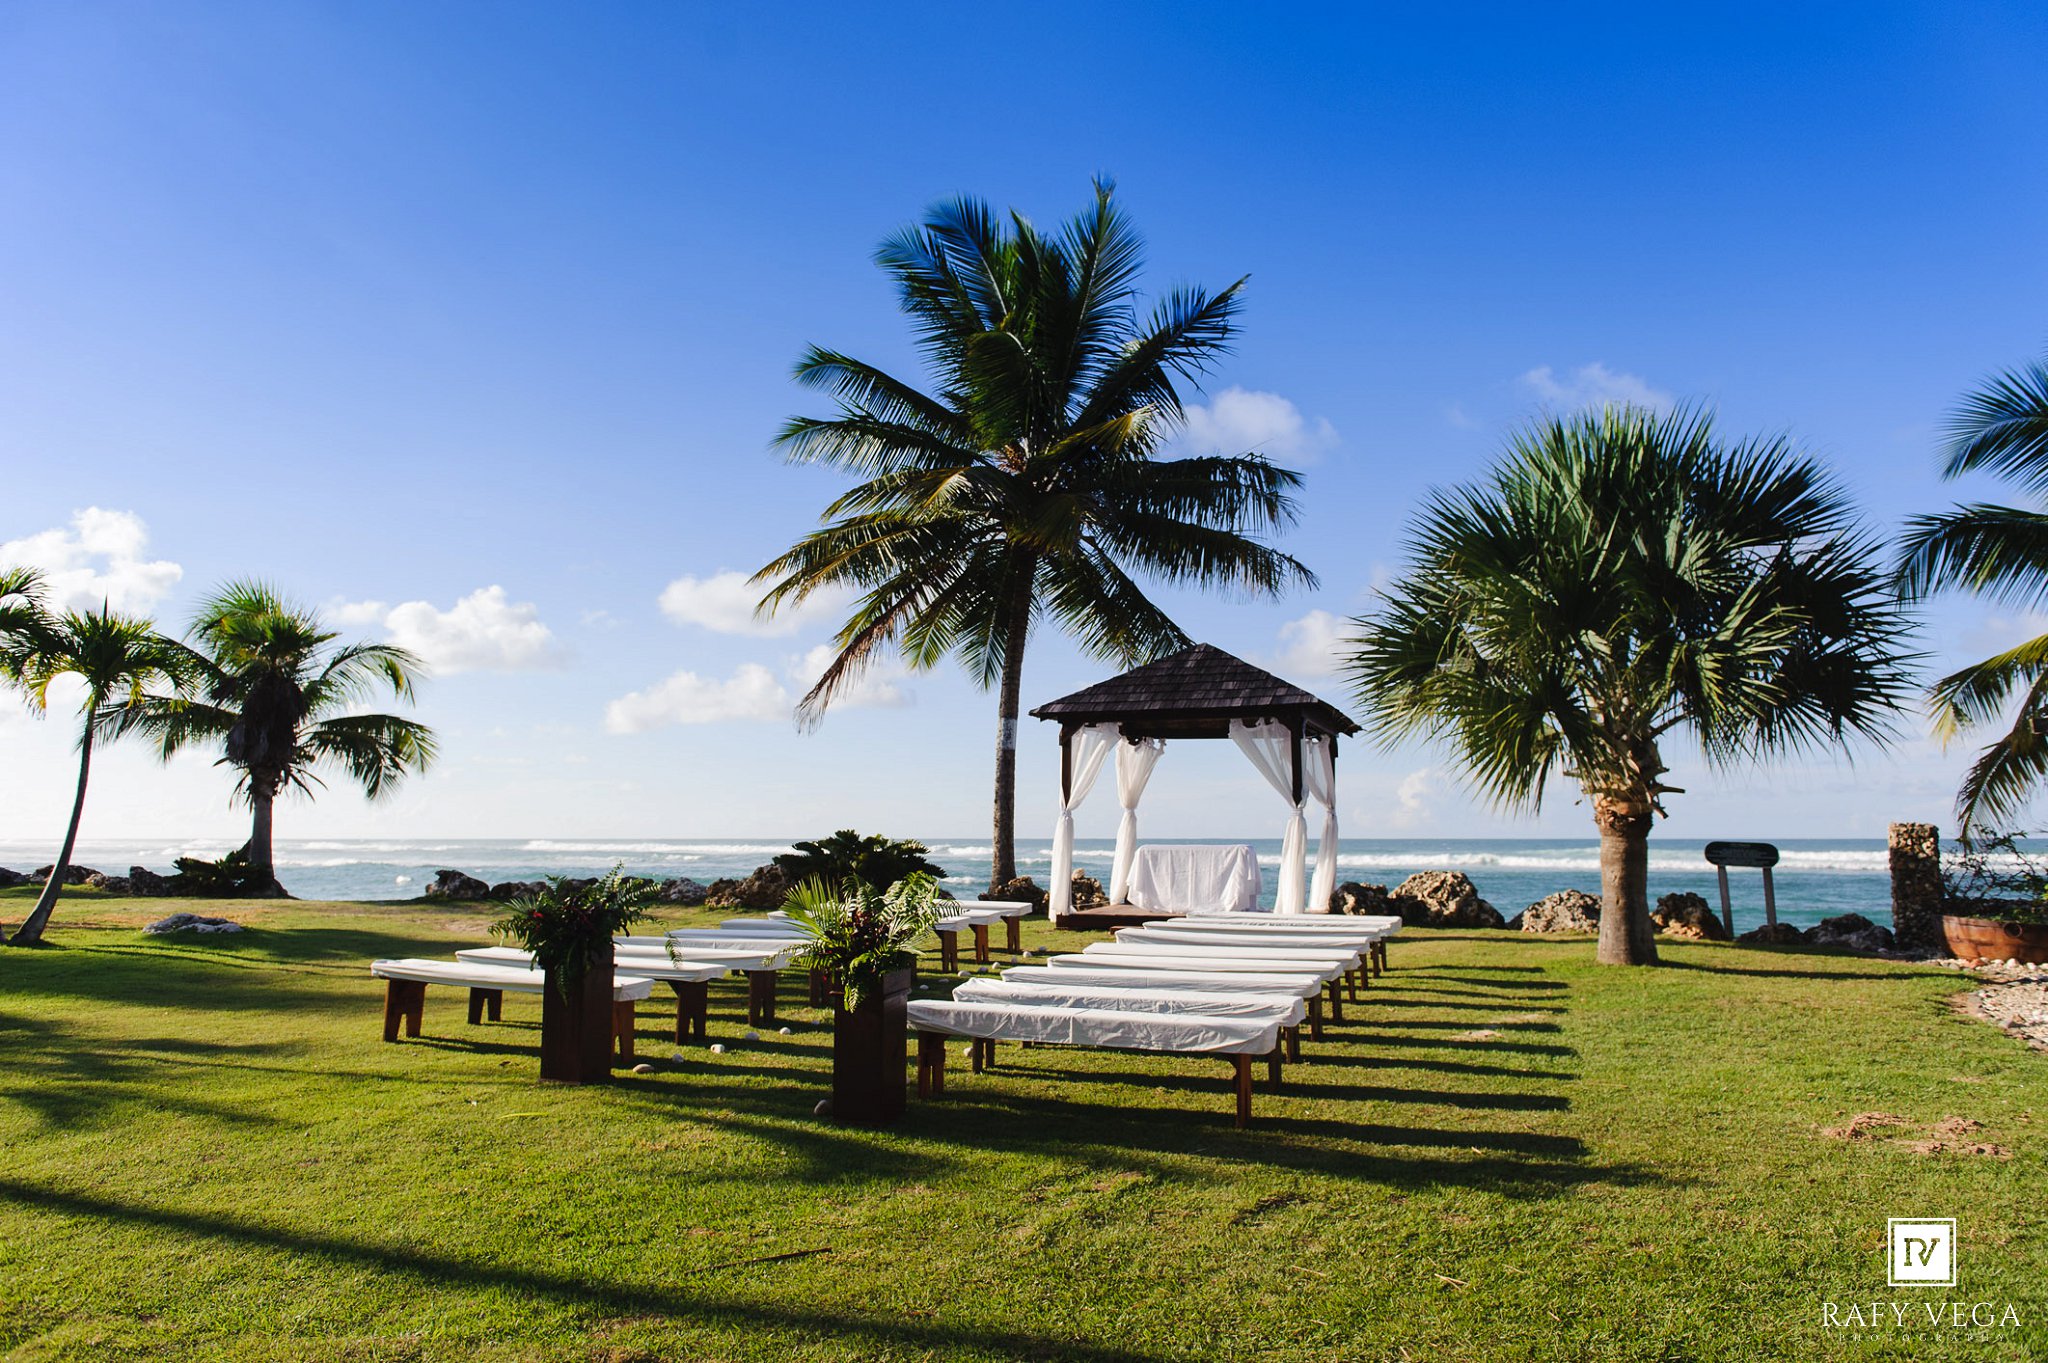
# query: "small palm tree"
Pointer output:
{"type": "Point", "coordinates": [1026, 485]}
{"type": "Point", "coordinates": [1622, 576]}
{"type": "Point", "coordinates": [1999, 552]}
{"type": "Point", "coordinates": [117, 658]}
{"type": "Point", "coordinates": [266, 684]}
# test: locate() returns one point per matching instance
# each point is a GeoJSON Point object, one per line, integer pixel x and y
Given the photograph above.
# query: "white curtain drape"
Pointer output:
{"type": "Point", "coordinates": [1319, 779]}
{"type": "Point", "coordinates": [1134, 763]}
{"type": "Point", "coordinates": [1271, 749]}
{"type": "Point", "coordinates": [1087, 747]}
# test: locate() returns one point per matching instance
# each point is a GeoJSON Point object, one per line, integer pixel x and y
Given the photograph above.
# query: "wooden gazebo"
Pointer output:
{"type": "Point", "coordinates": [1199, 692]}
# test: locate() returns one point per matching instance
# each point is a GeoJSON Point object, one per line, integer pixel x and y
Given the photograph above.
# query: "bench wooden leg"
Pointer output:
{"type": "Point", "coordinates": [949, 951]}
{"type": "Point", "coordinates": [485, 1003]}
{"type": "Point", "coordinates": [693, 1010]}
{"type": "Point", "coordinates": [1336, 1002]}
{"type": "Point", "coordinates": [622, 1029]}
{"type": "Point", "coordinates": [760, 997]}
{"type": "Point", "coordinates": [931, 1064]}
{"type": "Point", "coordinates": [1315, 1018]}
{"type": "Point", "coordinates": [821, 989]}
{"type": "Point", "coordinates": [1293, 1035]}
{"type": "Point", "coordinates": [1379, 958]}
{"type": "Point", "coordinates": [1244, 1090]}
{"type": "Point", "coordinates": [1273, 1066]}
{"type": "Point", "coordinates": [981, 1054]}
{"type": "Point", "coordinates": [1013, 935]}
{"type": "Point", "coordinates": [398, 1006]}
{"type": "Point", "coordinates": [980, 943]}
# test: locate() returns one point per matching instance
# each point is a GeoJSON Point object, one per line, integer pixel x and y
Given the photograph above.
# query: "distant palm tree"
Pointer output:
{"type": "Point", "coordinates": [1619, 577]}
{"type": "Point", "coordinates": [2000, 552]}
{"type": "Point", "coordinates": [116, 657]}
{"type": "Point", "coordinates": [1026, 485]}
{"type": "Point", "coordinates": [265, 684]}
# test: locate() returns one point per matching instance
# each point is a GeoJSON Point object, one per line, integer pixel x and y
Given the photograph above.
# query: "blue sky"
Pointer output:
{"type": "Point", "coordinates": [471, 324]}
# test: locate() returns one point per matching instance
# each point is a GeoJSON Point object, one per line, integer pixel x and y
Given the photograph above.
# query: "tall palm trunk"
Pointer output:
{"type": "Point", "coordinates": [1003, 843]}
{"type": "Point", "coordinates": [262, 880]}
{"type": "Point", "coordinates": [31, 932]}
{"type": "Point", "coordinates": [1625, 935]}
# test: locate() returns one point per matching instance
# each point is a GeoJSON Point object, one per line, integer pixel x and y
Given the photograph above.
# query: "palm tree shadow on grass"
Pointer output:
{"type": "Point", "coordinates": [433, 1269]}
{"type": "Point", "coordinates": [72, 1083]}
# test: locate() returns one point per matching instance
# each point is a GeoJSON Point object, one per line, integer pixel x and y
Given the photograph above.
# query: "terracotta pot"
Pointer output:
{"type": "Point", "coordinates": [576, 1030]}
{"type": "Point", "coordinates": [1992, 940]}
{"type": "Point", "coordinates": [871, 1054]}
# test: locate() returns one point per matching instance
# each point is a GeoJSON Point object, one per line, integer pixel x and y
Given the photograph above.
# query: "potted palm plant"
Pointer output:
{"type": "Point", "coordinates": [865, 940]}
{"type": "Point", "coordinates": [569, 926]}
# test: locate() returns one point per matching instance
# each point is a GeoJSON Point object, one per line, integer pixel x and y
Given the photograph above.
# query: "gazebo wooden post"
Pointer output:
{"type": "Point", "coordinates": [1295, 726]}
{"type": "Point", "coordinates": [1066, 762]}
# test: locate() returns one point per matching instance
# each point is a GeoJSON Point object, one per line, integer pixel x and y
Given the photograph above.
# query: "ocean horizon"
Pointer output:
{"type": "Point", "coordinates": [1815, 877]}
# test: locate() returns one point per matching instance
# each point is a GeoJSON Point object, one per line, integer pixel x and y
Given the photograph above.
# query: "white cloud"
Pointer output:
{"type": "Point", "coordinates": [1311, 646]}
{"type": "Point", "coordinates": [482, 632]}
{"type": "Point", "coordinates": [1593, 385]}
{"type": "Point", "coordinates": [98, 558]}
{"type": "Point", "coordinates": [1412, 798]}
{"type": "Point", "coordinates": [1239, 421]}
{"type": "Point", "coordinates": [751, 693]}
{"type": "Point", "coordinates": [877, 688]}
{"type": "Point", "coordinates": [724, 604]}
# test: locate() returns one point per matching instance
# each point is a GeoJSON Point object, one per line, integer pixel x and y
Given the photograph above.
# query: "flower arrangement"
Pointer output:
{"type": "Point", "coordinates": [564, 924]}
{"type": "Point", "coordinates": [859, 933]}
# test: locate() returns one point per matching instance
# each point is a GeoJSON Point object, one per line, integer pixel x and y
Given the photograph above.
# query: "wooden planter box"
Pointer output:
{"type": "Point", "coordinates": [1990, 939]}
{"type": "Point", "coordinates": [576, 1031]}
{"type": "Point", "coordinates": [871, 1054]}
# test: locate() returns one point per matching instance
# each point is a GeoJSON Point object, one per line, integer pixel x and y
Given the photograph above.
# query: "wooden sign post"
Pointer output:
{"type": "Point", "coordinates": [1761, 855]}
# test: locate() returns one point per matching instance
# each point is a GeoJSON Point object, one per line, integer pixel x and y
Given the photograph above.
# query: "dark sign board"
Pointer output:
{"type": "Point", "coordinates": [1742, 854]}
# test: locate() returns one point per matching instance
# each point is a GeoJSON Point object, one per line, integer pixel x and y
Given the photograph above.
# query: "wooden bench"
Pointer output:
{"type": "Point", "coordinates": [1330, 971]}
{"type": "Point", "coordinates": [406, 981]}
{"type": "Point", "coordinates": [689, 980]}
{"type": "Point", "coordinates": [1172, 936]}
{"type": "Point", "coordinates": [1239, 1040]}
{"type": "Point", "coordinates": [1379, 928]}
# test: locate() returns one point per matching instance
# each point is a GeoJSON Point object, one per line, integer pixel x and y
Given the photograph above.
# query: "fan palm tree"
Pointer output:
{"type": "Point", "coordinates": [267, 684]}
{"type": "Point", "coordinates": [1999, 552]}
{"type": "Point", "coordinates": [1621, 576]}
{"type": "Point", "coordinates": [1026, 485]}
{"type": "Point", "coordinates": [117, 658]}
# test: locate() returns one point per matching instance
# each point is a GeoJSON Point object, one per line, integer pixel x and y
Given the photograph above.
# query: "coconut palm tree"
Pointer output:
{"type": "Point", "coordinates": [1026, 485]}
{"type": "Point", "coordinates": [2001, 553]}
{"type": "Point", "coordinates": [267, 683]}
{"type": "Point", "coordinates": [116, 657]}
{"type": "Point", "coordinates": [1622, 576]}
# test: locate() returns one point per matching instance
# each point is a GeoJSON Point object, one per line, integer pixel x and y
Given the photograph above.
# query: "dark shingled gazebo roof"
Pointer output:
{"type": "Point", "coordinates": [1195, 693]}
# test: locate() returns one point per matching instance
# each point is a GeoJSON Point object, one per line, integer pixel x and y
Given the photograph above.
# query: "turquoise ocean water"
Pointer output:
{"type": "Point", "coordinates": [1816, 878]}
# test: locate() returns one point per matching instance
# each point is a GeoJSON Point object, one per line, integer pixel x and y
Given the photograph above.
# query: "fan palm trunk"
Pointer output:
{"type": "Point", "coordinates": [31, 932]}
{"type": "Point", "coordinates": [1625, 935]}
{"type": "Point", "coordinates": [262, 881]}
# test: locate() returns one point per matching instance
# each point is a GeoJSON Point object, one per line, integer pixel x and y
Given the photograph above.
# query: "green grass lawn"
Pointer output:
{"type": "Point", "coordinates": [207, 1152]}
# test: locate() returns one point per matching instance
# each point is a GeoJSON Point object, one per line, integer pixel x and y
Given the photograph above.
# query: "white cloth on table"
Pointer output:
{"type": "Point", "coordinates": [1086, 747]}
{"type": "Point", "coordinates": [1136, 958]}
{"type": "Point", "coordinates": [1134, 763]}
{"type": "Point", "coordinates": [1174, 879]}
{"type": "Point", "coordinates": [1090, 1027]}
{"type": "Point", "coordinates": [1270, 747]}
{"type": "Point", "coordinates": [1359, 938]}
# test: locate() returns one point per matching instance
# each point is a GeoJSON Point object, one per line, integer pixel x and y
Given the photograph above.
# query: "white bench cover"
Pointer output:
{"type": "Point", "coordinates": [1182, 879]}
{"type": "Point", "coordinates": [1090, 974]}
{"type": "Point", "coordinates": [1097, 1027]}
{"type": "Point", "coordinates": [1287, 1008]}
{"type": "Point", "coordinates": [1292, 922]}
{"type": "Point", "coordinates": [1136, 958]}
{"type": "Point", "coordinates": [652, 967]}
{"type": "Point", "coordinates": [1134, 940]}
{"type": "Point", "coordinates": [478, 975]}
{"type": "Point", "coordinates": [1263, 941]}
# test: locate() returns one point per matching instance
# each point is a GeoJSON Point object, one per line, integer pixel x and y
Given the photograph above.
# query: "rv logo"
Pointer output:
{"type": "Point", "coordinates": [1923, 1253]}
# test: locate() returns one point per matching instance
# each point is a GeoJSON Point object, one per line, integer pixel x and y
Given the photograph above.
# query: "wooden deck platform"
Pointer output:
{"type": "Point", "coordinates": [1109, 918]}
